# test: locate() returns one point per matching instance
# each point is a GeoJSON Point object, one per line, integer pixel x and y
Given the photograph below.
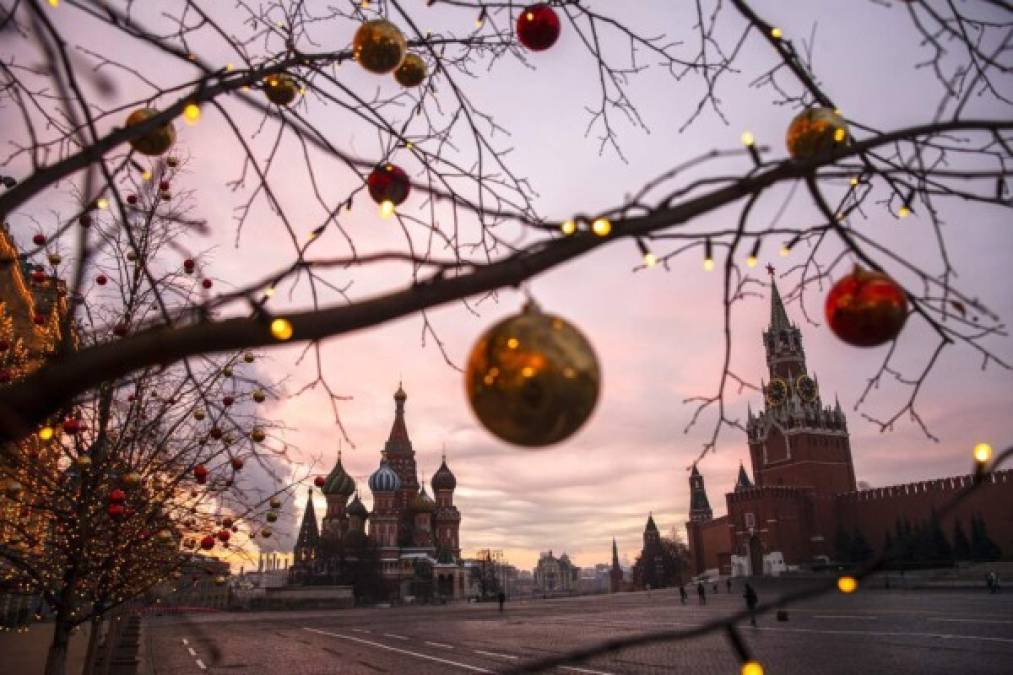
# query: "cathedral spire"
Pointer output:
{"type": "Point", "coordinates": [398, 441]}
{"type": "Point", "coordinates": [743, 482]}
{"type": "Point", "coordinates": [309, 532]}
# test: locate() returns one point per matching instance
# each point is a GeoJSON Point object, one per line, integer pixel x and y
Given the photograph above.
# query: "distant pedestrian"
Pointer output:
{"type": "Point", "coordinates": [995, 582]}
{"type": "Point", "coordinates": [715, 587]}
{"type": "Point", "coordinates": [502, 599]}
{"type": "Point", "coordinates": [728, 584]}
{"type": "Point", "coordinates": [750, 597]}
{"type": "Point", "coordinates": [701, 591]}
{"type": "Point", "coordinates": [683, 595]}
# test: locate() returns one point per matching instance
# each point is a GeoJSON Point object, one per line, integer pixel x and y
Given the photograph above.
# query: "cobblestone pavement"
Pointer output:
{"type": "Point", "coordinates": [872, 632]}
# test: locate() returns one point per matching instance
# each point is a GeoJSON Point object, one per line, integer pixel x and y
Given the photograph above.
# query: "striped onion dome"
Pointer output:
{"type": "Point", "coordinates": [384, 479]}
{"type": "Point", "coordinates": [338, 481]}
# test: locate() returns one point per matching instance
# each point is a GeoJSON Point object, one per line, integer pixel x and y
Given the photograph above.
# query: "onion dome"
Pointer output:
{"type": "Point", "coordinates": [384, 479]}
{"type": "Point", "coordinates": [357, 508]}
{"type": "Point", "coordinates": [423, 503]}
{"type": "Point", "coordinates": [338, 481]}
{"type": "Point", "coordinates": [443, 479]}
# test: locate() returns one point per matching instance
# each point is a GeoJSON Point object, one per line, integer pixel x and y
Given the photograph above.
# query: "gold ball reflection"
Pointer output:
{"type": "Point", "coordinates": [815, 133]}
{"type": "Point", "coordinates": [379, 46]}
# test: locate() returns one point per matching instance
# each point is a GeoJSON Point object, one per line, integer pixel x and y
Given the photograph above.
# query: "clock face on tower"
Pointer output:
{"type": "Point", "coordinates": [777, 391]}
{"type": "Point", "coordinates": [806, 388]}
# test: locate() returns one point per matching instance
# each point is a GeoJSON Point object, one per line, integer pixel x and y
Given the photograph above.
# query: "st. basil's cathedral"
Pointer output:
{"type": "Point", "coordinates": [409, 540]}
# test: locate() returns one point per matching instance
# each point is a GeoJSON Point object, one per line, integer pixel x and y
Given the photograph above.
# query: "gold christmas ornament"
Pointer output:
{"type": "Point", "coordinates": [411, 72]}
{"type": "Point", "coordinates": [815, 133]}
{"type": "Point", "coordinates": [258, 435]}
{"type": "Point", "coordinates": [533, 379]}
{"type": "Point", "coordinates": [249, 357]}
{"type": "Point", "coordinates": [132, 479]}
{"type": "Point", "coordinates": [155, 142]}
{"type": "Point", "coordinates": [281, 89]}
{"type": "Point", "coordinates": [271, 516]}
{"type": "Point", "coordinates": [379, 46]}
{"type": "Point", "coordinates": [265, 533]}
{"type": "Point", "coordinates": [13, 488]}
{"type": "Point", "coordinates": [275, 503]}
{"type": "Point", "coordinates": [259, 396]}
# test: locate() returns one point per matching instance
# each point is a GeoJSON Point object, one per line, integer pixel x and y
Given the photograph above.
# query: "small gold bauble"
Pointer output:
{"type": "Point", "coordinates": [249, 357]}
{"type": "Point", "coordinates": [533, 379]}
{"type": "Point", "coordinates": [156, 141]}
{"type": "Point", "coordinates": [259, 396]}
{"type": "Point", "coordinates": [275, 503]}
{"type": "Point", "coordinates": [265, 533]}
{"type": "Point", "coordinates": [271, 516]}
{"type": "Point", "coordinates": [379, 46]}
{"type": "Point", "coordinates": [280, 89]}
{"type": "Point", "coordinates": [815, 133]}
{"type": "Point", "coordinates": [258, 435]}
{"type": "Point", "coordinates": [411, 72]}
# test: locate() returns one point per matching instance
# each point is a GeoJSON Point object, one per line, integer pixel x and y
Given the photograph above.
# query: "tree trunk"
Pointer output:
{"type": "Point", "coordinates": [56, 660]}
{"type": "Point", "coordinates": [93, 641]}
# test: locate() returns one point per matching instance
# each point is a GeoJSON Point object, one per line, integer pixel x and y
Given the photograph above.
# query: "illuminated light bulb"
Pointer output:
{"type": "Point", "coordinates": [229, 67]}
{"type": "Point", "coordinates": [982, 453]}
{"type": "Point", "coordinates": [751, 261]}
{"type": "Point", "coordinates": [785, 251]}
{"type": "Point", "coordinates": [191, 113]}
{"type": "Point", "coordinates": [752, 668]}
{"type": "Point", "coordinates": [847, 584]}
{"type": "Point", "coordinates": [840, 135]}
{"type": "Point", "coordinates": [854, 181]}
{"type": "Point", "coordinates": [102, 203]}
{"type": "Point", "coordinates": [708, 264]}
{"type": "Point", "coordinates": [386, 208]}
{"type": "Point", "coordinates": [747, 138]}
{"type": "Point", "coordinates": [281, 329]}
{"type": "Point", "coordinates": [904, 211]}
{"type": "Point", "coordinates": [650, 259]}
{"type": "Point", "coordinates": [478, 22]}
{"type": "Point", "coordinates": [568, 227]}
{"type": "Point", "coordinates": [776, 33]}
{"type": "Point", "coordinates": [46, 433]}
{"type": "Point", "coordinates": [147, 174]}
{"type": "Point", "coordinates": [601, 227]}
{"type": "Point", "coordinates": [54, 3]}
{"type": "Point", "coordinates": [513, 343]}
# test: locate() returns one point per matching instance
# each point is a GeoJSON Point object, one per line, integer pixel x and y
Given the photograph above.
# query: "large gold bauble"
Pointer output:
{"type": "Point", "coordinates": [155, 142]}
{"type": "Point", "coordinates": [379, 46]}
{"type": "Point", "coordinates": [533, 379]}
{"type": "Point", "coordinates": [815, 133]}
{"type": "Point", "coordinates": [281, 89]}
{"type": "Point", "coordinates": [411, 72]}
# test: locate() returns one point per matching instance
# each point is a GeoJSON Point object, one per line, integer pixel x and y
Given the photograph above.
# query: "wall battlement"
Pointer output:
{"type": "Point", "coordinates": [937, 486]}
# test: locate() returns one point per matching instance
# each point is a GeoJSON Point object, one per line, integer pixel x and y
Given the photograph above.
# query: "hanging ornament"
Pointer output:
{"type": "Point", "coordinates": [207, 542]}
{"type": "Point", "coordinates": [532, 379]}
{"type": "Point", "coordinates": [379, 46]}
{"type": "Point", "coordinates": [248, 357]}
{"type": "Point", "coordinates": [271, 516]}
{"type": "Point", "coordinates": [132, 479]}
{"type": "Point", "coordinates": [39, 240]}
{"type": "Point", "coordinates": [101, 280]}
{"type": "Point", "coordinates": [226, 522]}
{"type": "Point", "coordinates": [258, 435]}
{"type": "Point", "coordinates": [815, 133]}
{"type": "Point", "coordinates": [223, 535]}
{"type": "Point", "coordinates": [538, 27]}
{"type": "Point", "coordinates": [388, 186]}
{"type": "Point", "coordinates": [319, 481]}
{"type": "Point", "coordinates": [165, 536]}
{"type": "Point", "coordinates": [228, 401]}
{"type": "Point", "coordinates": [265, 533]}
{"type": "Point", "coordinates": [866, 308]}
{"type": "Point", "coordinates": [117, 496]}
{"type": "Point", "coordinates": [116, 511]}
{"type": "Point", "coordinates": [237, 463]}
{"type": "Point", "coordinates": [156, 141]}
{"type": "Point", "coordinates": [12, 489]}
{"type": "Point", "coordinates": [259, 396]}
{"type": "Point", "coordinates": [200, 474]}
{"type": "Point", "coordinates": [280, 89]}
{"type": "Point", "coordinates": [411, 72]}
{"type": "Point", "coordinates": [275, 503]}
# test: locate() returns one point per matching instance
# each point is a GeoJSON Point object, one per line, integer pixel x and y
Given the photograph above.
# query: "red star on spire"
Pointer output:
{"type": "Point", "coordinates": [770, 269]}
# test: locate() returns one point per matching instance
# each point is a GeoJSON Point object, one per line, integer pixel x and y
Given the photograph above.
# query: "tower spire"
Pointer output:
{"type": "Point", "coordinates": [778, 317]}
{"type": "Point", "coordinates": [398, 441]}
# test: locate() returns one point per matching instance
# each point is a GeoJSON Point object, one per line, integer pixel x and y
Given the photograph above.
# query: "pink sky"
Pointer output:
{"type": "Point", "coordinates": [656, 332]}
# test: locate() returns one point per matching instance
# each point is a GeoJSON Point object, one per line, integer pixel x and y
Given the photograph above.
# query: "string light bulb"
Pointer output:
{"type": "Point", "coordinates": [281, 329]}
{"type": "Point", "coordinates": [386, 208]}
{"type": "Point", "coordinates": [146, 175]}
{"type": "Point", "coordinates": [904, 211]}
{"type": "Point", "coordinates": [747, 138]}
{"type": "Point", "coordinates": [784, 252]}
{"type": "Point", "coordinates": [650, 260]}
{"type": "Point", "coordinates": [568, 227]}
{"type": "Point", "coordinates": [102, 203]}
{"type": "Point", "coordinates": [601, 227]}
{"type": "Point", "coordinates": [191, 113]}
{"type": "Point", "coordinates": [847, 584]}
{"type": "Point", "coordinates": [708, 256]}
{"type": "Point", "coordinates": [776, 33]}
{"type": "Point", "coordinates": [752, 668]}
{"type": "Point", "coordinates": [45, 433]}
{"type": "Point", "coordinates": [752, 258]}
{"type": "Point", "coordinates": [982, 453]}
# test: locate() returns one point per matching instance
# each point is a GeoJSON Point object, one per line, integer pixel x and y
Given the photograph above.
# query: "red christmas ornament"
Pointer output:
{"type": "Point", "coordinates": [227, 401]}
{"type": "Point", "coordinates": [216, 433]}
{"type": "Point", "coordinates": [237, 463]}
{"type": "Point", "coordinates": [131, 199]}
{"type": "Point", "coordinates": [39, 239]}
{"type": "Point", "coordinates": [116, 511]}
{"type": "Point", "coordinates": [101, 280]}
{"type": "Point", "coordinates": [71, 425]}
{"type": "Point", "coordinates": [85, 220]}
{"type": "Point", "coordinates": [538, 27]}
{"type": "Point", "coordinates": [207, 543]}
{"type": "Point", "coordinates": [319, 481]}
{"type": "Point", "coordinates": [866, 308]}
{"type": "Point", "coordinates": [117, 496]}
{"type": "Point", "coordinates": [200, 473]}
{"type": "Point", "coordinates": [189, 265]}
{"type": "Point", "coordinates": [163, 186]}
{"type": "Point", "coordinates": [224, 535]}
{"type": "Point", "coordinates": [38, 277]}
{"type": "Point", "coordinates": [206, 283]}
{"type": "Point", "coordinates": [226, 522]}
{"type": "Point", "coordinates": [388, 183]}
